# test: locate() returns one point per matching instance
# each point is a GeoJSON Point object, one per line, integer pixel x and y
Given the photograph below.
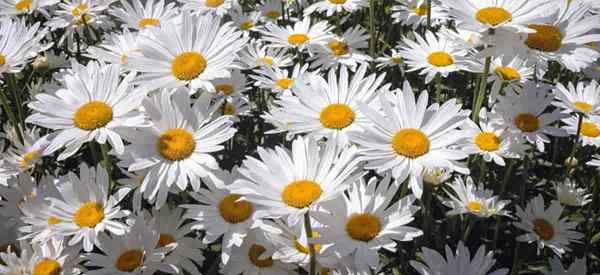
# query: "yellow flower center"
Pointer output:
{"type": "Point", "coordinates": [29, 158]}
{"type": "Point", "coordinates": [493, 16]}
{"type": "Point", "coordinates": [226, 89]}
{"type": "Point", "coordinates": [52, 220]}
{"type": "Point", "coordinates": [475, 206]}
{"type": "Point", "coordinates": [411, 143]}
{"type": "Point", "coordinates": [548, 38]}
{"type": "Point", "coordinates": [130, 260]}
{"type": "Point", "coordinates": [23, 5]}
{"type": "Point", "coordinates": [583, 106]}
{"type": "Point", "coordinates": [590, 129]}
{"type": "Point", "coordinates": [266, 60]}
{"type": "Point", "coordinates": [93, 115]}
{"type": "Point", "coordinates": [338, 48]}
{"type": "Point", "coordinates": [176, 144]}
{"type": "Point", "coordinates": [234, 211]}
{"type": "Point", "coordinates": [543, 229]}
{"type": "Point", "coordinates": [337, 116]}
{"type": "Point", "coordinates": [228, 109]}
{"type": "Point", "coordinates": [301, 193]}
{"type": "Point", "coordinates": [47, 266]}
{"type": "Point", "coordinates": [304, 249]}
{"type": "Point", "coordinates": [148, 22]}
{"type": "Point", "coordinates": [89, 214]}
{"type": "Point", "coordinates": [214, 3]}
{"type": "Point", "coordinates": [254, 255]}
{"type": "Point", "coordinates": [397, 60]}
{"type": "Point", "coordinates": [487, 141]}
{"type": "Point", "coordinates": [246, 25]}
{"type": "Point", "coordinates": [527, 122]}
{"type": "Point", "coordinates": [440, 59]}
{"type": "Point", "coordinates": [363, 227]}
{"type": "Point", "coordinates": [188, 65]}
{"type": "Point", "coordinates": [124, 59]}
{"type": "Point", "coordinates": [79, 10]}
{"type": "Point", "coordinates": [82, 20]}
{"type": "Point", "coordinates": [2, 59]}
{"type": "Point", "coordinates": [165, 239]}
{"type": "Point", "coordinates": [298, 38]}
{"type": "Point", "coordinates": [508, 73]}
{"type": "Point", "coordinates": [422, 10]}
{"type": "Point", "coordinates": [284, 83]}
{"type": "Point", "coordinates": [337, 2]}
{"type": "Point", "coordinates": [273, 14]}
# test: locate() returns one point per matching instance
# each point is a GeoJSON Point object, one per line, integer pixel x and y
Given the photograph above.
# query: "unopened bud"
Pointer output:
{"type": "Point", "coordinates": [571, 162]}
{"type": "Point", "coordinates": [41, 63]}
{"type": "Point", "coordinates": [434, 177]}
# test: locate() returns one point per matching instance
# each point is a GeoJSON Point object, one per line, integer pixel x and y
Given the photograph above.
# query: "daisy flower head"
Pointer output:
{"type": "Point", "coordinates": [413, 13]}
{"type": "Point", "coordinates": [270, 10]}
{"type": "Point", "coordinates": [245, 21]}
{"type": "Point", "coordinates": [589, 130]}
{"type": "Point", "coordinates": [93, 105]}
{"type": "Point", "coordinates": [20, 193]}
{"type": "Point", "coordinates": [21, 156]}
{"type": "Point", "coordinates": [192, 53]}
{"type": "Point", "coordinates": [366, 221]}
{"type": "Point", "coordinates": [344, 50]}
{"type": "Point", "coordinates": [139, 16]}
{"type": "Point", "coordinates": [545, 227]}
{"type": "Point", "coordinates": [583, 99]}
{"type": "Point", "coordinates": [329, 107]}
{"type": "Point", "coordinates": [232, 86]}
{"type": "Point", "coordinates": [116, 49]}
{"type": "Point", "coordinates": [85, 208]}
{"type": "Point", "coordinates": [568, 193]}
{"type": "Point", "coordinates": [476, 200]}
{"type": "Point", "coordinates": [233, 107]}
{"type": "Point", "coordinates": [53, 257]}
{"type": "Point", "coordinates": [19, 43]}
{"type": "Point", "coordinates": [408, 136]}
{"type": "Point", "coordinates": [257, 54]}
{"type": "Point", "coordinates": [280, 81]}
{"type": "Point", "coordinates": [329, 7]}
{"type": "Point", "coordinates": [38, 224]}
{"type": "Point", "coordinates": [138, 251]}
{"type": "Point", "coordinates": [390, 60]}
{"type": "Point", "coordinates": [290, 184]}
{"type": "Point", "coordinates": [211, 7]}
{"type": "Point", "coordinates": [17, 7]}
{"type": "Point", "coordinates": [508, 72]}
{"type": "Point", "coordinates": [459, 263]}
{"type": "Point", "coordinates": [177, 147]}
{"type": "Point", "coordinates": [75, 15]}
{"type": "Point", "coordinates": [556, 268]}
{"type": "Point", "coordinates": [525, 115]}
{"type": "Point", "coordinates": [432, 55]}
{"type": "Point", "coordinates": [302, 35]}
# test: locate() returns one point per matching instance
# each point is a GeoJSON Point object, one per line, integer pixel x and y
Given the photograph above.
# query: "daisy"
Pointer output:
{"type": "Point", "coordinates": [344, 50]}
{"type": "Point", "coordinates": [221, 213]}
{"type": "Point", "coordinates": [116, 49]}
{"type": "Point", "coordinates": [256, 54]}
{"type": "Point", "coordinates": [212, 7]}
{"type": "Point", "coordinates": [76, 15]}
{"type": "Point", "coordinates": [457, 264]}
{"type": "Point", "coordinates": [545, 227]}
{"type": "Point", "coordinates": [19, 43]}
{"type": "Point", "coordinates": [556, 268]}
{"type": "Point", "coordinates": [135, 252]}
{"type": "Point", "coordinates": [513, 15]}
{"type": "Point", "coordinates": [432, 55]}
{"type": "Point", "coordinates": [329, 107]}
{"type": "Point", "coordinates": [38, 222]}
{"type": "Point", "coordinates": [23, 156]}
{"type": "Point", "coordinates": [280, 81]}
{"type": "Point", "coordinates": [394, 59]}
{"type": "Point", "coordinates": [271, 10]}
{"type": "Point", "coordinates": [475, 200]}
{"type": "Point", "coordinates": [329, 7]}
{"type": "Point", "coordinates": [93, 105]}
{"type": "Point", "coordinates": [17, 7]}
{"type": "Point", "coordinates": [434, 177]}
{"type": "Point", "coordinates": [525, 116]}
{"type": "Point", "coordinates": [85, 208]}
{"type": "Point", "coordinates": [413, 13]}
{"type": "Point", "coordinates": [245, 21]}
{"type": "Point", "coordinates": [176, 148]}
{"type": "Point", "coordinates": [583, 99]}
{"type": "Point", "coordinates": [205, 51]}
{"type": "Point", "coordinates": [12, 263]}
{"type": "Point", "coordinates": [232, 86]}
{"type": "Point", "coordinates": [302, 35]}
{"type": "Point", "coordinates": [409, 137]}
{"type": "Point", "coordinates": [53, 257]}
{"type": "Point", "coordinates": [234, 107]}
{"type": "Point", "coordinates": [139, 16]}
{"type": "Point", "coordinates": [589, 131]}
{"type": "Point", "coordinates": [506, 73]}
{"type": "Point", "coordinates": [569, 194]}
{"type": "Point", "coordinates": [20, 192]}
{"type": "Point", "coordinates": [290, 184]}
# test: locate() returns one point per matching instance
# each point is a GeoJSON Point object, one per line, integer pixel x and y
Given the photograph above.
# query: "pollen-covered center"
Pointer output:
{"type": "Point", "coordinates": [23, 5]}
{"type": "Point", "coordinates": [89, 214]}
{"type": "Point", "coordinates": [543, 229]}
{"type": "Point", "coordinates": [298, 38]}
{"type": "Point", "coordinates": [93, 115]}
{"type": "Point", "coordinates": [2, 59]}
{"type": "Point", "coordinates": [234, 211]}
{"type": "Point", "coordinates": [440, 59]}
{"type": "Point", "coordinates": [410, 143]}
{"type": "Point", "coordinates": [176, 144]}
{"type": "Point", "coordinates": [130, 260]}
{"type": "Point", "coordinates": [165, 239]}
{"type": "Point", "coordinates": [148, 22]}
{"type": "Point", "coordinates": [246, 25]}
{"type": "Point", "coordinates": [284, 83]}
{"type": "Point", "coordinates": [508, 73]}
{"type": "Point", "coordinates": [337, 2]}
{"type": "Point", "coordinates": [583, 106]}
{"type": "Point", "coordinates": [47, 266]}
{"type": "Point", "coordinates": [79, 10]}
{"type": "Point", "coordinates": [590, 129]}
{"type": "Point", "coordinates": [52, 220]}
{"type": "Point", "coordinates": [29, 158]}
{"type": "Point", "coordinates": [228, 109]}
{"type": "Point", "coordinates": [214, 3]}
{"type": "Point", "coordinates": [363, 227]}
{"type": "Point", "coordinates": [301, 193]}
{"type": "Point", "coordinates": [305, 249]}
{"type": "Point", "coordinates": [338, 48]}
{"type": "Point", "coordinates": [337, 116]}
{"type": "Point", "coordinates": [254, 255]}
{"type": "Point", "coordinates": [188, 65]}
{"type": "Point", "coordinates": [225, 89]}
{"type": "Point", "coordinates": [493, 16]}
{"type": "Point", "coordinates": [266, 60]}
{"type": "Point", "coordinates": [547, 38]}
{"type": "Point", "coordinates": [397, 60]}
{"type": "Point", "coordinates": [474, 206]}
{"type": "Point", "coordinates": [487, 141]}
{"type": "Point", "coordinates": [273, 14]}
{"type": "Point", "coordinates": [422, 10]}
{"type": "Point", "coordinates": [527, 122]}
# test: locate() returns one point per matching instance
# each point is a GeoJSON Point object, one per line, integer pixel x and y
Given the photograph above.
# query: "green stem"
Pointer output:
{"type": "Point", "coordinates": [480, 94]}
{"type": "Point", "coordinates": [438, 88]}
{"type": "Point", "coordinates": [590, 218]}
{"type": "Point", "coordinates": [372, 27]}
{"type": "Point", "coordinates": [106, 162]}
{"type": "Point", "coordinates": [429, 14]}
{"type": "Point", "coordinates": [576, 143]}
{"type": "Point", "coordinates": [311, 246]}
{"type": "Point", "coordinates": [11, 116]}
{"type": "Point", "coordinates": [468, 227]}
{"type": "Point", "coordinates": [12, 84]}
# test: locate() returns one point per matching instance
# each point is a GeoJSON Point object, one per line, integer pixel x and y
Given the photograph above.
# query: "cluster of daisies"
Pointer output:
{"type": "Point", "coordinates": [312, 137]}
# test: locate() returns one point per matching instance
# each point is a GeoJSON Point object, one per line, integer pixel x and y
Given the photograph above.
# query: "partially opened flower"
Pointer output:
{"type": "Point", "coordinates": [459, 263]}
{"type": "Point", "coordinates": [151, 13]}
{"type": "Point", "coordinates": [19, 43]}
{"type": "Point", "coordinates": [475, 200]}
{"type": "Point", "coordinates": [584, 99]}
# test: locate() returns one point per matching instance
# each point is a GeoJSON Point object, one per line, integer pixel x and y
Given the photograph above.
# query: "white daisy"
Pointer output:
{"type": "Point", "coordinates": [232, 86]}
{"type": "Point", "coordinates": [589, 131]}
{"type": "Point", "coordinates": [20, 192]}
{"type": "Point", "coordinates": [302, 35]}
{"type": "Point", "coordinates": [409, 136]}
{"type": "Point", "coordinates": [506, 73]}
{"type": "Point", "coordinates": [545, 227]}
{"type": "Point", "coordinates": [568, 193]}
{"type": "Point", "coordinates": [245, 21]}
{"type": "Point", "coordinates": [151, 13]}
{"type": "Point", "coordinates": [366, 221]}
{"type": "Point", "coordinates": [413, 13]}
{"type": "Point", "coordinates": [21, 156]}
{"type": "Point", "coordinates": [583, 99]}
{"type": "Point", "coordinates": [577, 267]}
{"type": "Point", "coordinates": [53, 257]}
{"type": "Point", "coordinates": [280, 81]}
{"type": "Point", "coordinates": [19, 43]}
{"type": "Point", "coordinates": [256, 54]}
{"type": "Point", "coordinates": [234, 107]}
{"type": "Point", "coordinates": [459, 263]}
{"type": "Point", "coordinates": [38, 223]}
{"type": "Point", "coordinates": [475, 200]}
{"type": "Point", "coordinates": [93, 105]}
{"type": "Point", "coordinates": [116, 49]}
{"type": "Point", "coordinates": [212, 7]}
{"type": "Point", "coordinates": [392, 60]}
{"type": "Point", "coordinates": [75, 16]}
{"type": "Point", "coordinates": [16, 7]}
{"type": "Point", "coordinates": [271, 9]}
{"type": "Point", "coordinates": [329, 7]}
{"type": "Point", "coordinates": [12, 263]}
{"type": "Point", "coordinates": [289, 184]}
{"type": "Point", "coordinates": [344, 50]}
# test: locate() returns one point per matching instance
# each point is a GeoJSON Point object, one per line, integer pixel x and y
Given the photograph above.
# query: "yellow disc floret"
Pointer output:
{"type": "Point", "coordinates": [590, 129]}
{"type": "Point", "coordinates": [363, 227]}
{"type": "Point", "coordinates": [188, 65]}
{"type": "Point", "coordinates": [508, 73]}
{"type": "Point", "coordinates": [254, 255]}
{"type": "Point", "coordinates": [148, 22]}
{"type": "Point", "coordinates": [440, 59]}
{"type": "Point", "coordinates": [89, 214]}
{"type": "Point", "coordinates": [547, 38]}
{"type": "Point", "coordinates": [46, 266]}
{"type": "Point", "coordinates": [130, 260]}
{"type": "Point", "coordinates": [301, 193]}
{"type": "Point", "coordinates": [234, 211]}
{"type": "Point", "coordinates": [487, 141]}
{"type": "Point", "coordinates": [527, 122]}
{"type": "Point", "coordinates": [410, 143]}
{"type": "Point", "coordinates": [493, 16]}
{"type": "Point", "coordinates": [23, 5]}
{"type": "Point", "coordinates": [176, 144]}
{"type": "Point", "coordinates": [543, 229]}
{"type": "Point", "coordinates": [337, 116]}
{"type": "Point", "coordinates": [93, 115]}
{"type": "Point", "coordinates": [298, 38]}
